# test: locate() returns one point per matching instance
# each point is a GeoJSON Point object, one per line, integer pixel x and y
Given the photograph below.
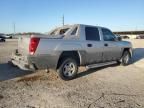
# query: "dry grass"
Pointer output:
{"type": "Point", "coordinates": [31, 78]}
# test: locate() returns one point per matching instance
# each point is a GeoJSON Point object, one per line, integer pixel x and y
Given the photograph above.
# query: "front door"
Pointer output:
{"type": "Point", "coordinates": [111, 47]}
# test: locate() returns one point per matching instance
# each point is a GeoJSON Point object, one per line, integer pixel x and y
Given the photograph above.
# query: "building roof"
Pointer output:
{"type": "Point", "coordinates": [130, 32]}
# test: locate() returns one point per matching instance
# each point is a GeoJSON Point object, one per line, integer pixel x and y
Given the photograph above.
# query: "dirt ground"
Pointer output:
{"type": "Point", "coordinates": [112, 86]}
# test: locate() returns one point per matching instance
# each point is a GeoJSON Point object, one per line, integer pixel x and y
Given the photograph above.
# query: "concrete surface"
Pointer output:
{"type": "Point", "coordinates": [107, 87]}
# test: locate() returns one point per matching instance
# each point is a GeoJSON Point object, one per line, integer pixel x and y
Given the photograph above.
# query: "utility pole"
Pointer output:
{"type": "Point", "coordinates": [14, 27]}
{"type": "Point", "coordinates": [63, 20]}
{"type": "Point", "coordinates": [136, 28]}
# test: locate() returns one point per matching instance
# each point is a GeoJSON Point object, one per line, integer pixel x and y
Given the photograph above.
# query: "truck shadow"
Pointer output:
{"type": "Point", "coordinates": [93, 70]}
{"type": "Point", "coordinates": [138, 54]}
{"type": "Point", "coordinates": [8, 72]}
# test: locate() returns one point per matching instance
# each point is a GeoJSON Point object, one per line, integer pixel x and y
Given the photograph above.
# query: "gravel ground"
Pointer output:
{"type": "Point", "coordinates": [107, 87]}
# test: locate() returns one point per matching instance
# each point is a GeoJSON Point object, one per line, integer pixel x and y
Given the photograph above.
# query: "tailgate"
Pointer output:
{"type": "Point", "coordinates": [23, 45]}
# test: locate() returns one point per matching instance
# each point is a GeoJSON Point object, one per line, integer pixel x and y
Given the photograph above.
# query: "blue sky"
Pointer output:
{"type": "Point", "coordinates": [42, 15]}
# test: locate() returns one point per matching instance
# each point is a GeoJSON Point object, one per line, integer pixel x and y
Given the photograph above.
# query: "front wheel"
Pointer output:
{"type": "Point", "coordinates": [68, 69]}
{"type": "Point", "coordinates": [125, 60]}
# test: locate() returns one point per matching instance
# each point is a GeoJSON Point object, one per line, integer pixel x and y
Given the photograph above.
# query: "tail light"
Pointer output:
{"type": "Point", "coordinates": [34, 41]}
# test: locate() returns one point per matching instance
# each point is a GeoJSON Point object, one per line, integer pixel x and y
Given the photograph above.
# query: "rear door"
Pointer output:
{"type": "Point", "coordinates": [94, 46]}
{"type": "Point", "coordinates": [111, 47]}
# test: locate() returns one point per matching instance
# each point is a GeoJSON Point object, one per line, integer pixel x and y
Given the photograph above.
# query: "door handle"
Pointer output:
{"type": "Point", "coordinates": [106, 44]}
{"type": "Point", "coordinates": [89, 45]}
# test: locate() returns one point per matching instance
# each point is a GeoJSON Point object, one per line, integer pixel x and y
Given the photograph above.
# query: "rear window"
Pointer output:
{"type": "Point", "coordinates": [92, 33]}
{"type": "Point", "coordinates": [54, 32]}
{"type": "Point", "coordinates": [59, 31]}
{"type": "Point", "coordinates": [74, 31]}
{"type": "Point", "coordinates": [62, 31]}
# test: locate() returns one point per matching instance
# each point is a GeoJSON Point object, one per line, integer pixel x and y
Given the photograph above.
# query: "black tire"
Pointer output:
{"type": "Point", "coordinates": [125, 60]}
{"type": "Point", "coordinates": [68, 69]}
{"type": "Point", "coordinates": [3, 40]}
{"type": "Point", "coordinates": [118, 62]}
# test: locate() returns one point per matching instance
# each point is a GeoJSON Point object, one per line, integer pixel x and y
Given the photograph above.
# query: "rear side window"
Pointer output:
{"type": "Point", "coordinates": [92, 33]}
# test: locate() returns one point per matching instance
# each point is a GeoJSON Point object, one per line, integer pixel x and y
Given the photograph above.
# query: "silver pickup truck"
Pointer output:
{"type": "Point", "coordinates": [66, 48]}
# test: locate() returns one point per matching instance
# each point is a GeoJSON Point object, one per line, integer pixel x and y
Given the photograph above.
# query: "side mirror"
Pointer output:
{"type": "Point", "coordinates": [119, 38]}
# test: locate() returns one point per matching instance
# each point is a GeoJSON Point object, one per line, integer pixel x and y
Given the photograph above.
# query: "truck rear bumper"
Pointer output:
{"type": "Point", "coordinates": [35, 62]}
{"type": "Point", "coordinates": [22, 63]}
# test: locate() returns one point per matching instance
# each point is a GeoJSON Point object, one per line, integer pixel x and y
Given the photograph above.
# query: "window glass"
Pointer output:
{"type": "Point", "coordinates": [74, 31]}
{"type": "Point", "coordinates": [108, 35]}
{"type": "Point", "coordinates": [62, 31]}
{"type": "Point", "coordinates": [92, 33]}
{"type": "Point", "coordinates": [54, 32]}
{"type": "Point", "coordinates": [59, 31]}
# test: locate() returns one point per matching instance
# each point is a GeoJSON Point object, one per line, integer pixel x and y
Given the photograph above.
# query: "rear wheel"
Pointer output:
{"type": "Point", "coordinates": [125, 60]}
{"type": "Point", "coordinates": [68, 69]}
